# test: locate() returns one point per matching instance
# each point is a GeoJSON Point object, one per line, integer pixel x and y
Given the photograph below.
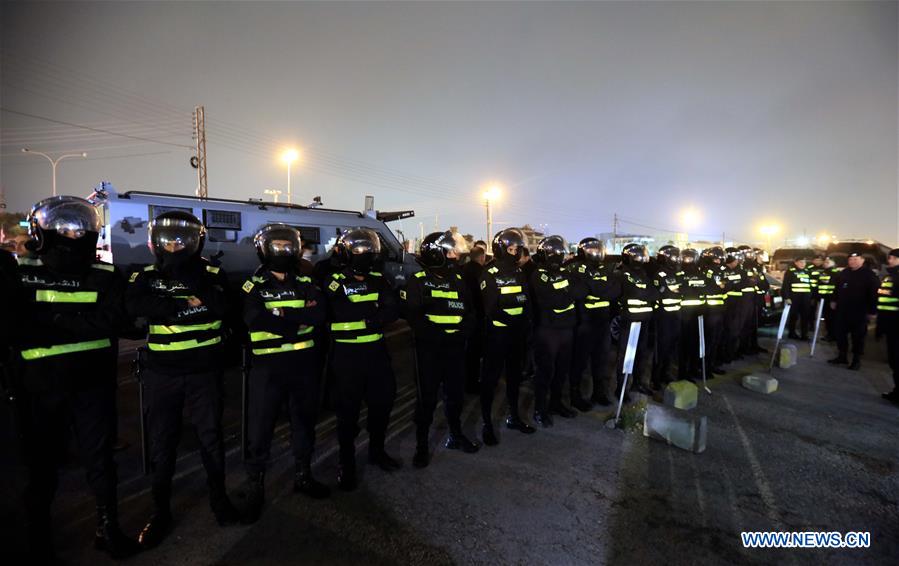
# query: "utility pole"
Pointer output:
{"type": "Point", "coordinates": [615, 226]}
{"type": "Point", "coordinates": [200, 137]}
{"type": "Point", "coordinates": [489, 220]}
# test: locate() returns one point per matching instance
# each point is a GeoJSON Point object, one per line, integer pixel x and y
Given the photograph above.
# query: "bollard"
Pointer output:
{"type": "Point", "coordinates": [760, 383]}
{"type": "Point", "coordinates": [681, 395]}
{"type": "Point", "coordinates": [675, 426]}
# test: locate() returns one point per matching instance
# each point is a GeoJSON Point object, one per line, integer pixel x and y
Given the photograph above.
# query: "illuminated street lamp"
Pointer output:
{"type": "Point", "coordinates": [491, 194]}
{"type": "Point", "coordinates": [289, 157]}
{"type": "Point", "coordinates": [769, 230]}
{"type": "Point", "coordinates": [689, 219]}
{"type": "Point", "coordinates": [54, 162]}
{"type": "Point", "coordinates": [274, 194]}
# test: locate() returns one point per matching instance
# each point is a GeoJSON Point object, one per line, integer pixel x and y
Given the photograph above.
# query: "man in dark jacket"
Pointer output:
{"type": "Point", "coordinates": [855, 302]}
{"type": "Point", "coordinates": [637, 303]}
{"type": "Point", "coordinates": [474, 350]}
{"type": "Point", "coordinates": [797, 291]}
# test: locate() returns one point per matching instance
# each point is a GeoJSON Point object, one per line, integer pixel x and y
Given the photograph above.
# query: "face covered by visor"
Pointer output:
{"type": "Point", "coordinates": [364, 247]}
{"type": "Point", "coordinates": [174, 241]}
{"type": "Point", "coordinates": [279, 247]}
{"type": "Point", "coordinates": [66, 229]}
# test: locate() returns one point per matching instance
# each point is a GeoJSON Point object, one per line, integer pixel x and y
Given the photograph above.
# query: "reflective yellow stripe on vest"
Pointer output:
{"type": "Point", "coordinates": [596, 304]}
{"type": "Point", "coordinates": [560, 284]}
{"type": "Point", "coordinates": [50, 296]}
{"type": "Point", "coordinates": [692, 302]}
{"type": "Point", "coordinates": [367, 298]}
{"type": "Point", "coordinates": [515, 311]}
{"type": "Point", "coordinates": [295, 304]}
{"type": "Point", "coordinates": [360, 339]}
{"type": "Point", "coordinates": [510, 290]}
{"type": "Point", "coordinates": [285, 348]}
{"type": "Point", "coordinates": [182, 345]}
{"type": "Point", "coordinates": [39, 353]}
{"type": "Point", "coordinates": [358, 325]}
{"type": "Point", "coordinates": [438, 294]}
{"type": "Point", "coordinates": [444, 318]}
{"type": "Point", "coordinates": [260, 336]}
{"type": "Point", "coordinates": [566, 309]}
{"type": "Point", "coordinates": [181, 328]}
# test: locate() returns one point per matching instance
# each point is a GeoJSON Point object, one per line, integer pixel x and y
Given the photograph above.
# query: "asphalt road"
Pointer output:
{"type": "Point", "coordinates": [820, 454]}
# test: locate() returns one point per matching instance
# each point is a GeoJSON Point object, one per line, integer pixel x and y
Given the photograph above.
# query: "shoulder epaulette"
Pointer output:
{"type": "Point", "coordinates": [458, 276]}
{"type": "Point", "coordinates": [29, 261]}
{"type": "Point", "coordinates": [103, 266]}
{"type": "Point", "coordinates": [492, 270]}
{"type": "Point", "coordinates": [150, 268]}
{"type": "Point", "coordinates": [212, 269]}
{"type": "Point", "coordinates": [376, 273]}
{"type": "Point", "coordinates": [419, 274]}
{"type": "Point", "coordinates": [304, 279]}
{"type": "Point", "coordinates": [257, 279]}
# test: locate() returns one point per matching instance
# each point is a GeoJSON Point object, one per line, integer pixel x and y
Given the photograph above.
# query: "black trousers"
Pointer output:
{"type": "Point", "coordinates": [667, 332]}
{"type": "Point", "coordinates": [892, 339]}
{"type": "Point", "coordinates": [829, 317]}
{"type": "Point", "coordinates": [474, 352]}
{"type": "Point", "coordinates": [362, 372]}
{"type": "Point", "coordinates": [749, 304]}
{"type": "Point", "coordinates": [271, 383]}
{"type": "Point", "coordinates": [852, 324]}
{"type": "Point", "coordinates": [799, 312]}
{"type": "Point", "coordinates": [733, 327]}
{"type": "Point", "coordinates": [688, 351]}
{"type": "Point", "coordinates": [552, 356]}
{"type": "Point", "coordinates": [592, 341]}
{"type": "Point", "coordinates": [714, 335]}
{"type": "Point", "coordinates": [505, 349]}
{"type": "Point", "coordinates": [642, 356]}
{"type": "Point", "coordinates": [166, 396]}
{"type": "Point", "coordinates": [439, 363]}
{"type": "Point", "coordinates": [47, 419]}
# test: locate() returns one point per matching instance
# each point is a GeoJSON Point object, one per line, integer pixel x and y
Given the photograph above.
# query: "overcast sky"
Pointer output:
{"type": "Point", "coordinates": [750, 111]}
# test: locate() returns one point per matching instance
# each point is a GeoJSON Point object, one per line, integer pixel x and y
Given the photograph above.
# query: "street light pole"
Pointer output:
{"type": "Point", "coordinates": [54, 162]}
{"type": "Point", "coordinates": [289, 201]}
{"type": "Point", "coordinates": [489, 219]}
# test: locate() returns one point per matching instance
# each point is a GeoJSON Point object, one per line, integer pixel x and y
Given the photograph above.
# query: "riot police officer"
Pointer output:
{"type": "Point", "coordinates": [555, 317]}
{"type": "Point", "coordinates": [507, 320]}
{"type": "Point", "coordinates": [186, 303]}
{"type": "Point", "coordinates": [437, 306]}
{"type": "Point", "coordinates": [856, 301]}
{"type": "Point", "coordinates": [694, 288]}
{"type": "Point", "coordinates": [666, 321]}
{"type": "Point", "coordinates": [756, 286]}
{"type": "Point", "coordinates": [281, 310]}
{"type": "Point", "coordinates": [361, 304]}
{"type": "Point", "coordinates": [738, 295]}
{"type": "Point", "coordinates": [637, 303]}
{"type": "Point", "coordinates": [716, 307]}
{"type": "Point", "coordinates": [592, 338]}
{"type": "Point", "coordinates": [66, 356]}
{"type": "Point", "coordinates": [826, 288]}
{"type": "Point", "coordinates": [888, 319]}
{"type": "Point", "coordinates": [797, 290]}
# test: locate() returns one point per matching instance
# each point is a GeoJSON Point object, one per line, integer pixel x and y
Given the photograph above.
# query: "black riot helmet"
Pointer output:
{"type": "Point", "coordinates": [714, 254]}
{"type": "Point", "coordinates": [362, 246]}
{"type": "Point", "coordinates": [435, 248]}
{"type": "Point", "coordinates": [669, 256]}
{"type": "Point", "coordinates": [634, 254]}
{"type": "Point", "coordinates": [689, 257]}
{"type": "Point", "coordinates": [506, 239]}
{"type": "Point", "coordinates": [746, 252]}
{"type": "Point", "coordinates": [551, 251]}
{"type": "Point", "coordinates": [175, 237]}
{"type": "Point", "coordinates": [279, 247]}
{"type": "Point", "coordinates": [64, 231]}
{"type": "Point", "coordinates": [591, 250]}
{"type": "Point", "coordinates": [732, 254]}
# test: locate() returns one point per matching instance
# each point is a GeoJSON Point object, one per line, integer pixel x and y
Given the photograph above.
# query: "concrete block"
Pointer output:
{"type": "Point", "coordinates": [681, 395]}
{"type": "Point", "coordinates": [675, 426]}
{"type": "Point", "coordinates": [760, 383]}
{"type": "Point", "coordinates": [787, 356]}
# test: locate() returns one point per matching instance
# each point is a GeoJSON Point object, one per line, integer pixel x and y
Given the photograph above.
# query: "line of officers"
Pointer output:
{"type": "Point", "coordinates": [61, 373]}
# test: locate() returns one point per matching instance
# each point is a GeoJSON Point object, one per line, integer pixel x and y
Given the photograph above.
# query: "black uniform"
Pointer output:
{"type": "Point", "coordinates": [755, 276]}
{"type": "Point", "coordinates": [507, 324]}
{"type": "Point", "coordinates": [666, 322]}
{"type": "Point", "coordinates": [474, 350]}
{"type": "Point", "coordinates": [695, 286]}
{"type": "Point", "coordinates": [856, 298]}
{"type": "Point", "coordinates": [740, 295]}
{"type": "Point", "coordinates": [593, 337]}
{"type": "Point", "coordinates": [439, 310]}
{"type": "Point", "coordinates": [358, 312]}
{"type": "Point", "coordinates": [555, 318]}
{"type": "Point", "coordinates": [797, 288]}
{"type": "Point", "coordinates": [637, 303]}
{"type": "Point", "coordinates": [888, 323]}
{"type": "Point", "coordinates": [284, 364]}
{"type": "Point", "coordinates": [715, 315]}
{"type": "Point", "coordinates": [66, 356]}
{"type": "Point", "coordinates": [183, 367]}
{"type": "Point", "coordinates": [826, 287]}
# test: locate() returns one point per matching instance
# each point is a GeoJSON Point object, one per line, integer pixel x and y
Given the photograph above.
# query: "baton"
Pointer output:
{"type": "Point", "coordinates": [627, 368]}
{"type": "Point", "coordinates": [780, 334]}
{"type": "Point", "coordinates": [245, 405]}
{"type": "Point", "coordinates": [701, 321]}
{"type": "Point", "coordinates": [819, 311]}
{"type": "Point", "coordinates": [137, 369]}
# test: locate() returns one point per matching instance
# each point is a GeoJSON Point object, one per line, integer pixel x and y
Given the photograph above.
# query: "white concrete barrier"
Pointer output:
{"type": "Point", "coordinates": [681, 395]}
{"type": "Point", "coordinates": [676, 426]}
{"type": "Point", "coordinates": [760, 383]}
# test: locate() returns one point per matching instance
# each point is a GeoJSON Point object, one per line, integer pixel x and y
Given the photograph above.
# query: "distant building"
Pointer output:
{"type": "Point", "coordinates": [531, 237]}
{"type": "Point", "coordinates": [614, 243]}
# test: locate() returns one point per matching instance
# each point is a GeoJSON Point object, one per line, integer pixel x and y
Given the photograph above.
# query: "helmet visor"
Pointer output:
{"type": "Point", "coordinates": [172, 235]}
{"type": "Point", "coordinates": [68, 216]}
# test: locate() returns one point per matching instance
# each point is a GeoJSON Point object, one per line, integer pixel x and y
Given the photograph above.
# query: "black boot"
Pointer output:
{"type": "Point", "coordinates": [488, 435]}
{"type": "Point", "coordinates": [422, 456]}
{"type": "Point", "coordinates": [383, 460]}
{"type": "Point", "coordinates": [109, 538]}
{"type": "Point", "coordinates": [560, 409]}
{"type": "Point", "coordinates": [856, 363]}
{"type": "Point", "coordinates": [305, 483]}
{"type": "Point", "coordinates": [255, 498]}
{"type": "Point", "coordinates": [225, 512]}
{"type": "Point", "coordinates": [841, 359]}
{"type": "Point", "coordinates": [579, 403]}
{"type": "Point", "coordinates": [514, 422]}
{"type": "Point", "coordinates": [600, 399]}
{"type": "Point", "coordinates": [458, 441]}
{"type": "Point", "coordinates": [160, 523]}
{"type": "Point", "coordinates": [543, 419]}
